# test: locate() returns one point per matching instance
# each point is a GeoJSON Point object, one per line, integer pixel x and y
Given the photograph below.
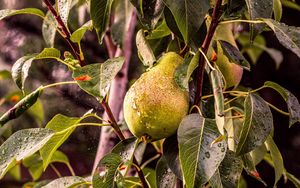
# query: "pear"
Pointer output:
{"type": "Point", "coordinates": [155, 105]}
{"type": "Point", "coordinates": [232, 72]}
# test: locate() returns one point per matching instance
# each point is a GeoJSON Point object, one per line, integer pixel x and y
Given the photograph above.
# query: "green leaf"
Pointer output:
{"type": "Point", "coordinates": [293, 179]}
{"type": "Point", "coordinates": [48, 53]}
{"type": "Point", "coordinates": [276, 158]}
{"type": "Point", "coordinates": [257, 125]}
{"type": "Point", "coordinates": [150, 175]}
{"type": "Point", "coordinates": [68, 181]}
{"type": "Point", "coordinates": [290, 4]}
{"type": "Point", "coordinates": [20, 70]}
{"type": "Point", "coordinates": [109, 164]}
{"type": "Point", "coordinates": [189, 15]}
{"type": "Point", "coordinates": [145, 52]}
{"type": "Point", "coordinates": [288, 36]}
{"type": "Point", "coordinates": [234, 55]}
{"type": "Point", "coordinates": [164, 176]}
{"type": "Point", "coordinates": [255, 49]}
{"type": "Point", "coordinates": [20, 145]}
{"type": "Point", "coordinates": [250, 168]}
{"type": "Point", "coordinates": [199, 159]}
{"type": "Point", "coordinates": [63, 127]}
{"type": "Point", "coordinates": [149, 12]}
{"type": "Point", "coordinates": [125, 148]}
{"type": "Point", "coordinates": [229, 171]}
{"type": "Point", "coordinates": [79, 33]}
{"type": "Point", "coordinates": [95, 78]}
{"type": "Point", "coordinates": [106, 172]}
{"type": "Point", "coordinates": [9, 12]}
{"type": "Point", "coordinates": [100, 15]}
{"type": "Point", "coordinates": [185, 70]}
{"type": "Point", "coordinates": [21, 106]}
{"type": "Point", "coordinates": [5, 74]}
{"type": "Point", "coordinates": [63, 9]}
{"type": "Point", "coordinates": [160, 31]}
{"type": "Point", "coordinates": [37, 112]}
{"type": "Point", "coordinates": [49, 29]}
{"type": "Point", "coordinates": [216, 82]}
{"type": "Point", "coordinates": [171, 155]}
{"type": "Point", "coordinates": [291, 101]}
{"type": "Point", "coordinates": [277, 9]}
{"type": "Point", "coordinates": [21, 67]}
{"type": "Point", "coordinates": [15, 172]}
{"type": "Point", "coordinates": [34, 163]}
{"type": "Point", "coordinates": [258, 9]}
{"type": "Point", "coordinates": [258, 154]}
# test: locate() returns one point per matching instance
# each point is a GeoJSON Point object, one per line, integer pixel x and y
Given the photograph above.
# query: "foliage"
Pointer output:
{"type": "Point", "coordinates": [228, 132]}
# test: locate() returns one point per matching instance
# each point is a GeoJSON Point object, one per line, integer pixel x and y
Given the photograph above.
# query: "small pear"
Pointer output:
{"type": "Point", "coordinates": [155, 105]}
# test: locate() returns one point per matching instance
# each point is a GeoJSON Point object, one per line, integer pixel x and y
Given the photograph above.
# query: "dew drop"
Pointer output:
{"type": "Point", "coordinates": [219, 144]}
{"type": "Point", "coordinates": [207, 154]}
{"type": "Point", "coordinates": [223, 150]}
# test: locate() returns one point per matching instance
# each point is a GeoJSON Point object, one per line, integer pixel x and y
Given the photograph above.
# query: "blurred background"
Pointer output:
{"type": "Point", "coordinates": [21, 35]}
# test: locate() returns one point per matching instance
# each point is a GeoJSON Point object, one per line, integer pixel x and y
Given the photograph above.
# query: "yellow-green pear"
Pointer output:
{"type": "Point", "coordinates": [232, 72]}
{"type": "Point", "coordinates": [154, 105]}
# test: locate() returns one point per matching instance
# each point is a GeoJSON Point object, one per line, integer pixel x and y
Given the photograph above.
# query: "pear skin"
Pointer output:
{"type": "Point", "coordinates": [232, 72]}
{"type": "Point", "coordinates": [155, 105]}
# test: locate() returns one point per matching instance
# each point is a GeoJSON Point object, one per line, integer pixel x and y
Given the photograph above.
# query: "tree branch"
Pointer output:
{"type": "Point", "coordinates": [65, 33]}
{"type": "Point", "coordinates": [204, 47]}
{"type": "Point", "coordinates": [113, 107]}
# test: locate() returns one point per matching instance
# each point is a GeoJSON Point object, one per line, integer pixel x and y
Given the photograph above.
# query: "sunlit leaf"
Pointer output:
{"type": "Point", "coordinates": [9, 12]}
{"type": "Point", "coordinates": [291, 101]}
{"type": "Point", "coordinates": [21, 67]}
{"type": "Point", "coordinates": [63, 127]}
{"type": "Point", "coordinates": [63, 9]}
{"type": "Point", "coordinates": [199, 158]}
{"type": "Point", "coordinates": [34, 163]}
{"type": "Point", "coordinates": [217, 87]}
{"type": "Point", "coordinates": [79, 33]}
{"type": "Point", "coordinates": [67, 181]}
{"type": "Point", "coordinates": [20, 145]}
{"type": "Point", "coordinates": [20, 70]}
{"type": "Point", "coordinates": [101, 75]}
{"type": "Point", "coordinates": [160, 31]}
{"type": "Point", "coordinates": [49, 29]}
{"type": "Point", "coordinates": [257, 125]}
{"type": "Point", "coordinates": [144, 49]}
{"type": "Point", "coordinates": [100, 15]}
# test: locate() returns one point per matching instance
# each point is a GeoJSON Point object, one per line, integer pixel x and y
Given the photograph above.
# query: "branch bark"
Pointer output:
{"type": "Point", "coordinates": [65, 33]}
{"type": "Point", "coordinates": [204, 47]}
{"type": "Point", "coordinates": [116, 96]}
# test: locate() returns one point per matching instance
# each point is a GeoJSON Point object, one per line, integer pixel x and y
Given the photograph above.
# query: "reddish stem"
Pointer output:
{"type": "Point", "coordinates": [204, 47]}
{"type": "Point", "coordinates": [65, 33]}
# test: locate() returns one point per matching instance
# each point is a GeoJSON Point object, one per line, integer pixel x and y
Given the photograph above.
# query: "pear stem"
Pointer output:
{"type": "Point", "coordinates": [204, 47]}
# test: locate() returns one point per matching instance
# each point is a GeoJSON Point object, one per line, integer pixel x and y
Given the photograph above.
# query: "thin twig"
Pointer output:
{"type": "Point", "coordinates": [204, 47]}
{"type": "Point", "coordinates": [65, 33]}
